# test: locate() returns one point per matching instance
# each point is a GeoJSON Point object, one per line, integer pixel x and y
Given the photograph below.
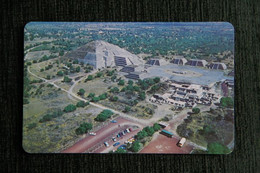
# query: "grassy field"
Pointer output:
{"type": "Point", "coordinates": [51, 136]}
{"type": "Point", "coordinates": [97, 86]}
{"type": "Point", "coordinates": [211, 126]}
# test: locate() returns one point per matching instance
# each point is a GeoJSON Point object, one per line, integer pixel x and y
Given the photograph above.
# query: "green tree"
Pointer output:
{"type": "Point", "coordinates": [81, 92]}
{"type": "Point", "coordinates": [156, 79]}
{"type": "Point", "coordinates": [114, 90]}
{"type": "Point", "coordinates": [217, 148]}
{"type": "Point", "coordinates": [136, 146]}
{"type": "Point", "coordinates": [70, 108]}
{"type": "Point", "coordinates": [103, 96]}
{"type": "Point", "coordinates": [60, 73]}
{"type": "Point", "coordinates": [113, 98]}
{"type": "Point", "coordinates": [99, 74]}
{"type": "Point", "coordinates": [75, 61]}
{"type": "Point", "coordinates": [130, 82]}
{"type": "Point", "coordinates": [156, 127]}
{"type": "Point", "coordinates": [61, 53]}
{"type": "Point", "coordinates": [120, 150]}
{"type": "Point", "coordinates": [48, 77]}
{"type": "Point", "coordinates": [196, 110]}
{"type": "Point", "coordinates": [82, 104]}
{"type": "Point", "coordinates": [121, 82]}
{"type": "Point", "coordinates": [95, 99]}
{"type": "Point", "coordinates": [142, 134]}
{"type": "Point", "coordinates": [226, 102]}
{"type": "Point", "coordinates": [113, 78]}
{"type": "Point", "coordinates": [67, 79]}
{"type": "Point", "coordinates": [80, 130]}
{"type": "Point", "coordinates": [78, 69]}
{"type": "Point", "coordinates": [91, 95]}
{"type": "Point", "coordinates": [104, 115]}
{"type": "Point", "coordinates": [142, 95]}
{"type": "Point", "coordinates": [149, 130]}
{"type": "Point", "coordinates": [31, 126]}
{"type": "Point", "coordinates": [29, 63]}
{"type": "Point", "coordinates": [90, 77]}
{"type": "Point", "coordinates": [83, 128]}
{"type": "Point", "coordinates": [127, 109]}
{"type": "Point", "coordinates": [136, 88]}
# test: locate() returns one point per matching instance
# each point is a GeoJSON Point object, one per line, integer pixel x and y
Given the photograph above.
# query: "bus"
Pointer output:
{"type": "Point", "coordinates": [167, 133]}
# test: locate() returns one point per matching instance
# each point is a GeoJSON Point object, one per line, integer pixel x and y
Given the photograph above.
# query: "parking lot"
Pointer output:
{"type": "Point", "coordinates": [95, 144]}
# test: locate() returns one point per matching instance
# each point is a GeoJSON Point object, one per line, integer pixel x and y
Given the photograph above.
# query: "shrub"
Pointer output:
{"type": "Point", "coordinates": [127, 109]}
{"type": "Point", "coordinates": [60, 73]}
{"type": "Point", "coordinates": [103, 96]}
{"type": "Point", "coordinates": [196, 110]}
{"type": "Point", "coordinates": [136, 146]}
{"type": "Point", "coordinates": [81, 92]}
{"type": "Point", "coordinates": [50, 116]}
{"type": "Point", "coordinates": [149, 130]}
{"type": "Point", "coordinates": [99, 74]}
{"type": "Point", "coordinates": [70, 108]}
{"type": "Point", "coordinates": [95, 99]}
{"type": "Point", "coordinates": [142, 134]}
{"type": "Point", "coordinates": [156, 79]}
{"type": "Point", "coordinates": [67, 79]}
{"type": "Point", "coordinates": [91, 95]}
{"type": "Point", "coordinates": [121, 82]}
{"type": "Point", "coordinates": [104, 115]}
{"type": "Point", "coordinates": [113, 98]}
{"type": "Point", "coordinates": [31, 126]}
{"type": "Point", "coordinates": [156, 127]}
{"type": "Point", "coordinates": [83, 128]}
{"type": "Point", "coordinates": [226, 102]}
{"type": "Point", "coordinates": [114, 90]}
{"type": "Point", "coordinates": [217, 148]}
{"type": "Point", "coordinates": [82, 104]}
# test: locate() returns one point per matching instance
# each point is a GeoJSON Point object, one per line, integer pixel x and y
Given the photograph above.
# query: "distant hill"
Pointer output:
{"type": "Point", "coordinates": [102, 54]}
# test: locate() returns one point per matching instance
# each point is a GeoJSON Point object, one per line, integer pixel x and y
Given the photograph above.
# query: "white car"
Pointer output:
{"type": "Point", "coordinates": [92, 134]}
{"type": "Point", "coordinates": [114, 139]}
{"type": "Point", "coordinates": [106, 144]}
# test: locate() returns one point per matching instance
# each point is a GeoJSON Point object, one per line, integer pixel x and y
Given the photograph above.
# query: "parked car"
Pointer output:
{"type": "Point", "coordinates": [118, 135]}
{"type": "Point", "coordinates": [92, 134]}
{"type": "Point", "coordinates": [122, 147]}
{"type": "Point", "coordinates": [130, 129]}
{"type": "Point", "coordinates": [181, 142]}
{"type": "Point", "coordinates": [114, 139]}
{"type": "Point", "coordinates": [114, 121]}
{"type": "Point", "coordinates": [106, 144]}
{"type": "Point", "coordinates": [116, 144]}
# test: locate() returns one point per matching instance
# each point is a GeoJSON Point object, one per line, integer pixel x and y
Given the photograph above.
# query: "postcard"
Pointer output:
{"type": "Point", "coordinates": [128, 87]}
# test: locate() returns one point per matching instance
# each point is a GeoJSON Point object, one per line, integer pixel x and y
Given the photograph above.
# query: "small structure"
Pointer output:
{"type": "Point", "coordinates": [133, 75]}
{"type": "Point", "coordinates": [120, 61]}
{"type": "Point", "coordinates": [128, 69]}
{"type": "Point", "coordinates": [197, 62]}
{"type": "Point", "coordinates": [153, 62]}
{"type": "Point", "coordinates": [179, 61]}
{"type": "Point", "coordinates": [218, 66]}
